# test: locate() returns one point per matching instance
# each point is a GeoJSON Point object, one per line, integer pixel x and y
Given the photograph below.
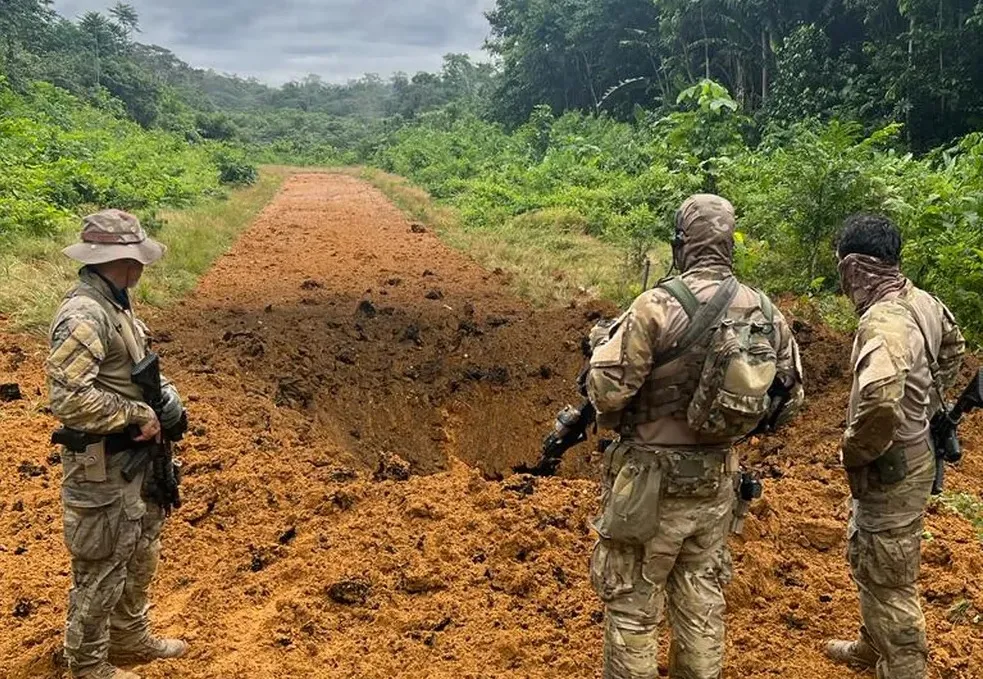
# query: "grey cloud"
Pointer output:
{"type": "Point", "coordinates": [337, 39]}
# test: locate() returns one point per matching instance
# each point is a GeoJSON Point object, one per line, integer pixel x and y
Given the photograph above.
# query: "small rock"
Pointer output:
{"type": "Point", "coordinates": [20, 551]}
{"type": "Point", "coordinates": [366, 309]}
{"type": "Point", "coordinates": [416, 227]}
{"type": "Point", "coordinates": [545, 372]}
{"type": "Point", "coordinates": [23, 609]}
{"type": "Point", "coordinates": [54, 458]}
{"type": "Point", "coordinates": [344, 474]}
{"type": "Point", "coordinates": [411, 333]}
{"type": "Point", "coordinates": [435, 294]}
{"type": "Point", "coordinates": [288, 536]}
{"type": "Point", "coordinates": [18, 506]}
{"type": "Point", "coordinates": [268, 309]}
{"type": "Point", "coordinates": [349, 592]}
{"type": "Point", "coordinates": [427, 273]}
{"type": "Point", "coordinates": [29, 470]}
{"type": "Point", "coordinates": [10, 392]}
{"type": "Point", "coordinates": [392, 468]}
{"type": "Point", "coordinates": [311, 284]}
{"type": "Point", "coordinates": [394, 281]}
{"type": "Point", "coordinates": [346, 356]}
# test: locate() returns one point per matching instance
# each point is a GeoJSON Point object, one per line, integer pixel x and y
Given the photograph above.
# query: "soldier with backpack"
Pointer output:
{"type": "Point", "coordinates": [694, 365]}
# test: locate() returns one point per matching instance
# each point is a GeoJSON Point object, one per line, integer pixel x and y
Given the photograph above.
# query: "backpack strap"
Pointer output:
{"type": "Point", "coordinates": [767, 308]}
{"type": "Point", "coordinates": [678, 289]}
{"type": "Point", "coordinates": [704, 317]}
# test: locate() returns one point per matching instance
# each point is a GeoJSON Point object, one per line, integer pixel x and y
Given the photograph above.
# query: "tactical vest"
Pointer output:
{"type": "Point", "coordinates": [127, 342]}
{"type": "Point", "coordinates": [676, 373]}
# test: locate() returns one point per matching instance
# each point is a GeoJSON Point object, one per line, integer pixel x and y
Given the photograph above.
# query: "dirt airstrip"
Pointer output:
{"type": "Point", "coordinates": [359, 394]}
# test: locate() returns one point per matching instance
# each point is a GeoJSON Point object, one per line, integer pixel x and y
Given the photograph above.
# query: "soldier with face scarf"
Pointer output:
{"type": "Point", "coordinates": [907, 351]}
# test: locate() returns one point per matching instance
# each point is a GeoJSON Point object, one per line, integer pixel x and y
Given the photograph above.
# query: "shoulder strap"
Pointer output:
{"type": "Point", "coordinates": [678, 289]}
{"type": "Point", "coordinates": [767, 308]}
{"type": "Point", "coordinates": [705, 317]}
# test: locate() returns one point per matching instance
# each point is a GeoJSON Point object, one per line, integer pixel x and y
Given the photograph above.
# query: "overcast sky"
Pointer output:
{"type": "Point", "coordinates": [280, 41]}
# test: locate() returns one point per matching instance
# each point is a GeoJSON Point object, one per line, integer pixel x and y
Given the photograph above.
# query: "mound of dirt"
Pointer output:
{"type": "Point", "coordinates": [349, 510]}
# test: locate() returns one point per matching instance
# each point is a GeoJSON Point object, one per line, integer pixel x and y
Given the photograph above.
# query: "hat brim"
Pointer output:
{"type": "Point", "coordinates": [146, 252]}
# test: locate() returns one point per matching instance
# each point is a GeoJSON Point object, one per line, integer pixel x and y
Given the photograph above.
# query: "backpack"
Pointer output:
{"type": "Point", "coordinates": [741, 362]}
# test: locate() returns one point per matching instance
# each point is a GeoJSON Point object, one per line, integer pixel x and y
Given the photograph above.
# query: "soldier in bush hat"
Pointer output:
{"type": "Point", "coordinates": [111, 529]}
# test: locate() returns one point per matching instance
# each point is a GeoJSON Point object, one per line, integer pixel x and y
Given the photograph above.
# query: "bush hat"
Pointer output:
{"type": "Point", "coordinates": [110, 235]}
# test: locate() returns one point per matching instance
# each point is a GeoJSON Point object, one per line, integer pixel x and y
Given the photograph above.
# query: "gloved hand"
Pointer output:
{"type": "Point", "coordinates": [173, 409]}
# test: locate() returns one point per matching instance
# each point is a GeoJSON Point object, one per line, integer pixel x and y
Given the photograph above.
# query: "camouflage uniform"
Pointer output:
{"type": "Point", "coordinates": [888, 456]}
{"type": "Point", "coordinates": [668, 493]}
{"type": "Point", "coordinates": [111, 531]}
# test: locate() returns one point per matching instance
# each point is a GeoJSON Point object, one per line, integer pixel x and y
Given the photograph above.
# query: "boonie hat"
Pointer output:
{"type": "Point", "coordinates": [110, 235]}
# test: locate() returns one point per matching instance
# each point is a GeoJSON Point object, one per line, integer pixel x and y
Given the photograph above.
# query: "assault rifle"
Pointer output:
{"type": "Point", "coordinates": [165, 473]}
{"type": "Point", "coordinates": [569, 429]}
{"type": "Point", "coordinates": [944, 429]}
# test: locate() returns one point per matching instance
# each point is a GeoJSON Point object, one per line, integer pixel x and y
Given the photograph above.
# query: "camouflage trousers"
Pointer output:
{"type": "Point", "coordinates": [113, 536]}
{"type": "Point", "coordinates": [884, 551]}
{"type": "Point", "coordinates": [665, 517]}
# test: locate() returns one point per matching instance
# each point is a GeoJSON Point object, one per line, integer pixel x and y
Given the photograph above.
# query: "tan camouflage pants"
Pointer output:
{"type": "Point", "coordinates": [664, 524]}
{"type": "Point", "coordinates": [884, 551]}
{"type": "Point", "coordinates": [114, 540]}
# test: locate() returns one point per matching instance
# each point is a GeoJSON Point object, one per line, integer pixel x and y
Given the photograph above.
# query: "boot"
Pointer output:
{"type": "Point", "coordinates": [855, 653]}
{"type": "Point", "coordinates": [106, 671]}
{"type": "Point", "coordinates": [152, 648]}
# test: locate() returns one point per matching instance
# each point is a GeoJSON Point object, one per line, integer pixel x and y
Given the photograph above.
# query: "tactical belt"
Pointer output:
{"type": "Point", "coordinates": [77, 441]}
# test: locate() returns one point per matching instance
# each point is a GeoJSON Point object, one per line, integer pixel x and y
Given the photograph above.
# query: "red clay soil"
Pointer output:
{"type": "Point", "coordinates": [359, 394]}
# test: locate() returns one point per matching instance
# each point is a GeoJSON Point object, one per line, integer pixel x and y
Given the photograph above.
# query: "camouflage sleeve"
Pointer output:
{"type": "Point", "coordinates": [77, 349]}
{"type": "Point", "coordinates": [952, 350]}
{"type": "Point", "coordinates": [880, 371]}
{"type": "Point", "coordinates": [620, 365]}
{"type": "Point", "coordinates": [789, 366]}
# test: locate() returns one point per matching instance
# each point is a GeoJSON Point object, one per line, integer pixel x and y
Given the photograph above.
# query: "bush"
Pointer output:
{"type": "Point", "coordinates": [59, 155]}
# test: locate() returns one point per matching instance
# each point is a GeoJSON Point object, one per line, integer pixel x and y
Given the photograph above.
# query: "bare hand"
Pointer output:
{"type": "Point", "coordinates": [149, 431]}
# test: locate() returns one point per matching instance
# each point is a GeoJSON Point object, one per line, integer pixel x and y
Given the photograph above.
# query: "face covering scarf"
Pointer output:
{"type": "Point", "coordinates": [867, 280]}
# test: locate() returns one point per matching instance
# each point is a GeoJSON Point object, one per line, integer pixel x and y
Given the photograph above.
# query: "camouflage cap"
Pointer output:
{"type": "Point", "coordinates": [111, 235]}
{"type": "Point", "coordinates": [707, 224]}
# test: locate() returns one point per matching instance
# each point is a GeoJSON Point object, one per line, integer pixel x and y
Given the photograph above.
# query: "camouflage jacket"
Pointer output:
{"type": "Point", "coordinates": [893, 396]}
{"type": "Point", "coordinates": [94, 344]}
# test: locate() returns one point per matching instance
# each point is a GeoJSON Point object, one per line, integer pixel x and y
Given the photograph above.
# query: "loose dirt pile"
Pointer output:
{"type": "Point", "coordinates": [359, 394]}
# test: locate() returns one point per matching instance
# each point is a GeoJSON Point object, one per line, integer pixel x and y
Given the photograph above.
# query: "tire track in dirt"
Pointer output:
{"type": "Point", "coordinates": [335, 334]}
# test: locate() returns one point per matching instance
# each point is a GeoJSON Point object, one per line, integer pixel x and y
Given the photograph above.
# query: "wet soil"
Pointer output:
{"type": "Point", "coordinates": [359, 394]}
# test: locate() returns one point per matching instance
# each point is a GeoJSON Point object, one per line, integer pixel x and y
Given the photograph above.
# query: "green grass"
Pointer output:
{"type": "Point", "coordinates": [34, 275]}
{"type": "Point", "coordinates": [968, 506]}
{"type": "Point", "coordinates": [546, 252]}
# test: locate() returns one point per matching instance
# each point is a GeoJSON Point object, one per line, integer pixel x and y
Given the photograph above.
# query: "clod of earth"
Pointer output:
{"type": "Point", "coordinates": [366, 309]}
{"type": "Point", "coordinates": [349, 592]}
{"type": "Point", "coordinates": [311, 284]}
{"type": "Point", "coordinates": [10, 392]}
{"type": "Point", "coordinates": [435, 293]}
{"type": "Point", "coordinates": [418, 228]}
{"type": "Point", "coordinates": [392, 468]}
